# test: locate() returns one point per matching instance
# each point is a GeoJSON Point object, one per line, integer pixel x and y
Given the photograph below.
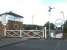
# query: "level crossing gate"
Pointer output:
{"type": "Point", "coordinates": [25, 33]}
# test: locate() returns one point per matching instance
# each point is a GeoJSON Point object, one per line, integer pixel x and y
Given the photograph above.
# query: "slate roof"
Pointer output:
{"type": "Point", "coordinates": [13, 14]}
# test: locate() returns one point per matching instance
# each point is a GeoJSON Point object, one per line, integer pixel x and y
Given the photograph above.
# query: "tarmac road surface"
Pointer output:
{"type": "Point", "coordinates": [38, 45]}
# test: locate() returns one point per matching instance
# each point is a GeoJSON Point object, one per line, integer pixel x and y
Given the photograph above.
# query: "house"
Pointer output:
{"type": "Point", "coordinates": [11, 21]}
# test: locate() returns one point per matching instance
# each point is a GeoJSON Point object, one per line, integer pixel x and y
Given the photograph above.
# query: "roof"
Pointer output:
{"type": "Point", "coordinates": [13, 14]}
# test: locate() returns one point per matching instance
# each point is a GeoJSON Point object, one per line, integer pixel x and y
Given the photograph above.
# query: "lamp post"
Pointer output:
{"type": "Point", "coordinates": [59, 22]}
{"type": "Point", "coordinates": [63, 19]}
{"type": "Point", "coordinates": [49, 10]}
{"type": "Point", "coordinates": [49, 18]}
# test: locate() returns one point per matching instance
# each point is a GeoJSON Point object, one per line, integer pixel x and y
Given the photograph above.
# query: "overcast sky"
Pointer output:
{"type": "Point", "coordinates": [36, 9]}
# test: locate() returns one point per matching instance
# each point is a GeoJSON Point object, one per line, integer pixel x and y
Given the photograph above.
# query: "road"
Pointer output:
{"type": "Point", "coordinates": [38, 45]}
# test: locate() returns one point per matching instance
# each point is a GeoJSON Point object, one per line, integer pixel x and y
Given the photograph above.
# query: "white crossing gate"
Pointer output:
{"type": "Point", "coordinates": [26, 33]}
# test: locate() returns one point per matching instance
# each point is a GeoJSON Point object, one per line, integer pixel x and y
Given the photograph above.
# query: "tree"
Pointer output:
{"type": "Point", "coordinates": [32, 27]}
{"type": "Point", "coordinates": [65, 27]}
{"type": "Point", "coordinates": [52, 26]}
{"type": "Point", "coordinates": [65, 30]}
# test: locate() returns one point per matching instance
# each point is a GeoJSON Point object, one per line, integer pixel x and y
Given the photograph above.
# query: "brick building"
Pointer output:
{"type": "Point", "coordinates": [10, 21]}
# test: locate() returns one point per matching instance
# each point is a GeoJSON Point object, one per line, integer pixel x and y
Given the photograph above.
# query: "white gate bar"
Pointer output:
{"type": "Point", "coordinates": [12, 30]}
{"type": "Point", "coordinates": [23, 30]}
{"type": "Point", "coordinates": [31, 30]}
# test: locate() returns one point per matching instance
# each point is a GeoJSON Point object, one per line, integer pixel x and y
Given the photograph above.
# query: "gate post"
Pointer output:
{"type": "Point", "coordinates": [45, 33]}
{"type": "Point", "coordinates": [20, 33]}
{"type": "Point", "coordinates": [5, 32]}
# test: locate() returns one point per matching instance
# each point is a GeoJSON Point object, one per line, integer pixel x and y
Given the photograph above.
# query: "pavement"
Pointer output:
{"type": "Point", "coordinates": [8, 41]}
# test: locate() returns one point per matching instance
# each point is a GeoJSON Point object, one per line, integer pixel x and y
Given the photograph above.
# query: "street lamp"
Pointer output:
{"type": "Point", "coordinates": [50, 8]}
{"type": "Point", "coordinates": [63, 19]}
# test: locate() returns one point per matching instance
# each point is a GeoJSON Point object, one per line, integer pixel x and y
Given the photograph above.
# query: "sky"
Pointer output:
{"type": "Point", "coordinates": [36, 11]}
